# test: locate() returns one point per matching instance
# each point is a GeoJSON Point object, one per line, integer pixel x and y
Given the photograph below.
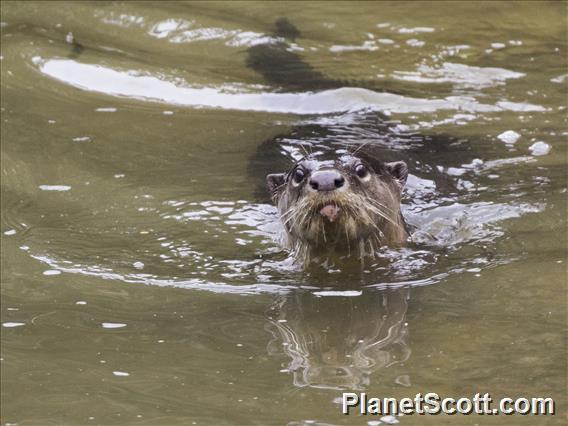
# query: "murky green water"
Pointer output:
{"type": "Point", "coordinates": [141, 279]}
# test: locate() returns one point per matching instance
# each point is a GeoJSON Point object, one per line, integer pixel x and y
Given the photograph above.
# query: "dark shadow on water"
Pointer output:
{"type": "Point", "coordinates": [281, 66]}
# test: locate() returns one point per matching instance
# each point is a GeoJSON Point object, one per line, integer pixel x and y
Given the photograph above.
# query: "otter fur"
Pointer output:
{"type": "Point", "coordinates": [341, 206]}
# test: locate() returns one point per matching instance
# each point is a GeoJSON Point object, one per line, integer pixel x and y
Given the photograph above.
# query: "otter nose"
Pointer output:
{"type": "Point", "coordinates": [326, 180]}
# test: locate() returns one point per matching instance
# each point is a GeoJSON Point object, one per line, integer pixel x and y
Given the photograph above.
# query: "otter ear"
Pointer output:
{"type": "Point", "coordinates": [273, 181]}
{"type": "Point", "coordinates": [399, 171]}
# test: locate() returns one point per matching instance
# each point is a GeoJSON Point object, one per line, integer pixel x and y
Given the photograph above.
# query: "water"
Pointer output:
{"type": "Point", "coordinates": [142, 281]}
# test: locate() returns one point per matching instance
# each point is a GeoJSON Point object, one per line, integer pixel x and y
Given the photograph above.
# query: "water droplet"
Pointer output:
{"type": "Point", "coordinates": [54, 187]}
{"type": "Point", "coordinates": [391, 420]}
{"type": "Point", "coordinates": [12, 324]}
{"type": "Point", "coordinates": [509, 137]}
{"type": "Point", "coordinates": [82, 139]}
{"type": "Point", "coordinates": [113, 325]}
{"type": "Point", "coordinates": [539, 148]}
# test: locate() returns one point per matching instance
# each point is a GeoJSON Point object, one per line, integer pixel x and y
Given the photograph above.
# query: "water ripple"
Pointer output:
{"type": "Point", "coordinates": [134, 85]}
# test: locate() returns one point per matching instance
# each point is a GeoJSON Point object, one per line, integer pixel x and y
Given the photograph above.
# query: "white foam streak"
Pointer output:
{"type": "Point", "coordinates": [213, 287]}
{"type": "Point", "coordinates": [338, 293]}
{"type": "Point", "coordinates": [133, 85]}
{"type": "Point", "coordinates": [459, 74]}
{"type": "Point", "coordinates": [58, 188]}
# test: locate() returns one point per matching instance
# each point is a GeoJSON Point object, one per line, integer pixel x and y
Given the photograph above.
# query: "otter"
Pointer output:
{"type": "Point", "coordinates": [343, 205]}
{"type": "Point", "coordinates": [340, 206]}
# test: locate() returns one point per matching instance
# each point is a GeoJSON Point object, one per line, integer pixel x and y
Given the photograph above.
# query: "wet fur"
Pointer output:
{"type": "Point", "coordinates": [369, 216]}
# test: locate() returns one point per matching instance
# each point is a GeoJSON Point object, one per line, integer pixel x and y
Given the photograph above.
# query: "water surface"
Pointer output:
{"type": "Point", "coordinates": [142, 279]}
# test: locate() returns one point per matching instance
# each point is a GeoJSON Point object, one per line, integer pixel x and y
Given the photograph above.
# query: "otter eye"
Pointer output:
{"type": "Point", "coordinates": [361, 171]}
{"type": "Point", "coordinates": [298, 175]}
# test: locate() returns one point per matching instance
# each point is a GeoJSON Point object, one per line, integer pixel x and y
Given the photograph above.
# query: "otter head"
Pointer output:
{"type": "Point", "coordinates": [341, 206]}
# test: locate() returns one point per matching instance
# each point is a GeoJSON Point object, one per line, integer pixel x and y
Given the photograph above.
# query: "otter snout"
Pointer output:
{"type": "Point", "coordinates": [326, 180]}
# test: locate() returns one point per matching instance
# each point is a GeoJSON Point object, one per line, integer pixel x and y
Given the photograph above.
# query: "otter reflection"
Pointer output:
{"type": "Point", "coordinates": [337, 339]}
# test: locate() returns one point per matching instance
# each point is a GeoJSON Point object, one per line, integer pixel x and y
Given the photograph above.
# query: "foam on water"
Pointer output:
{"type": "Point", "coordinates": [59, 188]}
{"type": "Point", "coordinates": [459, 74]}
{"type": "Point", "coordinates": [132, 84]}
{"type": "Point", "coordinates": [509, 137]}
{"type": "Point", "coordinates": [539, 148]}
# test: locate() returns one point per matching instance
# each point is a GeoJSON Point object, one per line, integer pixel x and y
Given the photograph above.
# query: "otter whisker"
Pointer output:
{"type": "Point", "coordinates": [291, 215]}
{"type": "Point", "coordinates": [304, 150]}
{"type": "Point", "coordinates": [381, 205]}
{"type": "Point", "coordinates": [383, 215]}
{"type": "Point", "coordinates": [360, 147]}
{"type": "Point", "coordinates": [361, 250]}
{"type": "Point", "coordinates": [346, 229]}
